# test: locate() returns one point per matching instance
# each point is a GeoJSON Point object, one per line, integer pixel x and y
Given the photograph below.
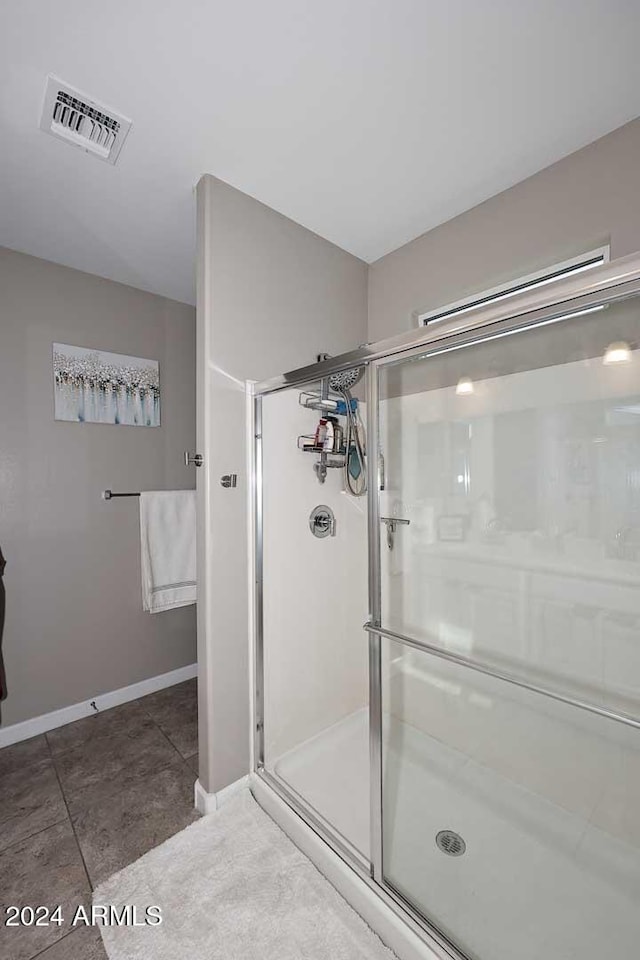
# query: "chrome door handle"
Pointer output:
{"type": "Point", "coordinates": [197, 459]}
{"type": "Point", "coordinates": [391, 523]}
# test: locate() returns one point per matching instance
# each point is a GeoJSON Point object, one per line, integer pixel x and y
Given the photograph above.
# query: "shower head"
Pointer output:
{"type": "Point", "coordinates": [346, 379]}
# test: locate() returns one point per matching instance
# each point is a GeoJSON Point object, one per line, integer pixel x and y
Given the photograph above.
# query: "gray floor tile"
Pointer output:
{"type": "Point", "coordinates": [85, 943]}
{"type": "Point", "coordinates": [175, 710]}
{"type": "Point", "coordinates": [193, 762]}
{"type": "Point", "coordinates": [91, 768]}
{"type": "Point", "coordinates": [127, 789]}
{"type": "Point", "coordinates": [140, 814]}
{"type": "Point", "coordinates": [46, 870]}
{"type": "Point", "coordinates": [19, 755]}
{"type": "Point", "coordinates": [108, 723]}
{"type": "Point", "coordinates": [30, 800]}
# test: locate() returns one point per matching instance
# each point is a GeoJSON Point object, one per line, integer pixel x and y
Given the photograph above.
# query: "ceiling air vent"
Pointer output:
{"type": "Point", "coordinates": [69, 114]}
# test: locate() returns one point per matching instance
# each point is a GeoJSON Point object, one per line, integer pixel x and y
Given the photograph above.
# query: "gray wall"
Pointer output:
{"type": "Point", "coordinates": [590, 198]}
{"type": "Point", "coordinates": [74, 622]}
{"type": "Point", "coordinates": [271, 295]}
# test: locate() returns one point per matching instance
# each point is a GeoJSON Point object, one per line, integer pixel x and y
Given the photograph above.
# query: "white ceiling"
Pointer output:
{"type": "Point", "coordinates": [368, 121]}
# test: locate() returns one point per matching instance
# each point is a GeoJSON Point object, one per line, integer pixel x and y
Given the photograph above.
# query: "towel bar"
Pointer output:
{"type": "Point", "coordinates": [108, 495]}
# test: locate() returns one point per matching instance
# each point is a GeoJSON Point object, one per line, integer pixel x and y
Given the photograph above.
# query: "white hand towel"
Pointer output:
{"type": "Point", "coordinates": [168, 549]}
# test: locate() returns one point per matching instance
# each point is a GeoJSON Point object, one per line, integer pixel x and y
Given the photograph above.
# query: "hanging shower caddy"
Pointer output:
{"type": "Point", "coordinates": [336, 444]}
{"type": "Point", "coordinates": [326, 444]}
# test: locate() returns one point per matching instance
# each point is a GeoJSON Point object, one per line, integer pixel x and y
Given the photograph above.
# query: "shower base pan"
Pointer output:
{"type": "Point", "coordinates": [533, 880]}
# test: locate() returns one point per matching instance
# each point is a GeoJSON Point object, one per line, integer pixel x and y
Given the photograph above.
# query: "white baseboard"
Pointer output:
{"type": "Point", "coordinates": [210, 802]}
{"type": "Point", "coordinates": [104, 701]}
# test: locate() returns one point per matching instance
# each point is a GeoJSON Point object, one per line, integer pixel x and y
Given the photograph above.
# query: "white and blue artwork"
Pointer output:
{"type": "Point", "coordinates": [92, 386]}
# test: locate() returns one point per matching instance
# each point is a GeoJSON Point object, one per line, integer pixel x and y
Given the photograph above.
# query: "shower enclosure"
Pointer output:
{"type": "Point", "coordinates": [447, 683]}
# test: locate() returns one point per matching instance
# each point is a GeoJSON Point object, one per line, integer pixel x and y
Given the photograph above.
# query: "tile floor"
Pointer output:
{"type": "Point", "coordinates": [81, 802]}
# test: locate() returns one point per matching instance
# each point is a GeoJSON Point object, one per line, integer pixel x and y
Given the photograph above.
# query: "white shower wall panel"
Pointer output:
{"type": "Point", "coordinates": [315, 590]}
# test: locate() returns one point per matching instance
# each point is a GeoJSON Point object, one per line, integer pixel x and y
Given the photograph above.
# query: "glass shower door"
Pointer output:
{"type": "Point", "coordinates": [510, 648]}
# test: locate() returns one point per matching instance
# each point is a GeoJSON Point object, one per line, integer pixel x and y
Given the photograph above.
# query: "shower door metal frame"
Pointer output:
{"type": "Point", "coordinates": [609, 283]}
{"type": "Point", "coordinates": [369, 871]}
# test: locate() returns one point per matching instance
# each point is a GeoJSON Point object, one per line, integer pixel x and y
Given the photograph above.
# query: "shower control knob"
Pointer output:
{"type": "Point", "coordinates": [322, 522]}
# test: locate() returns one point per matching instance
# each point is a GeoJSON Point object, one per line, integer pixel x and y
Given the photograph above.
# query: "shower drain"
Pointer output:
{"type": "Point", "coordinates": [450, 843]}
